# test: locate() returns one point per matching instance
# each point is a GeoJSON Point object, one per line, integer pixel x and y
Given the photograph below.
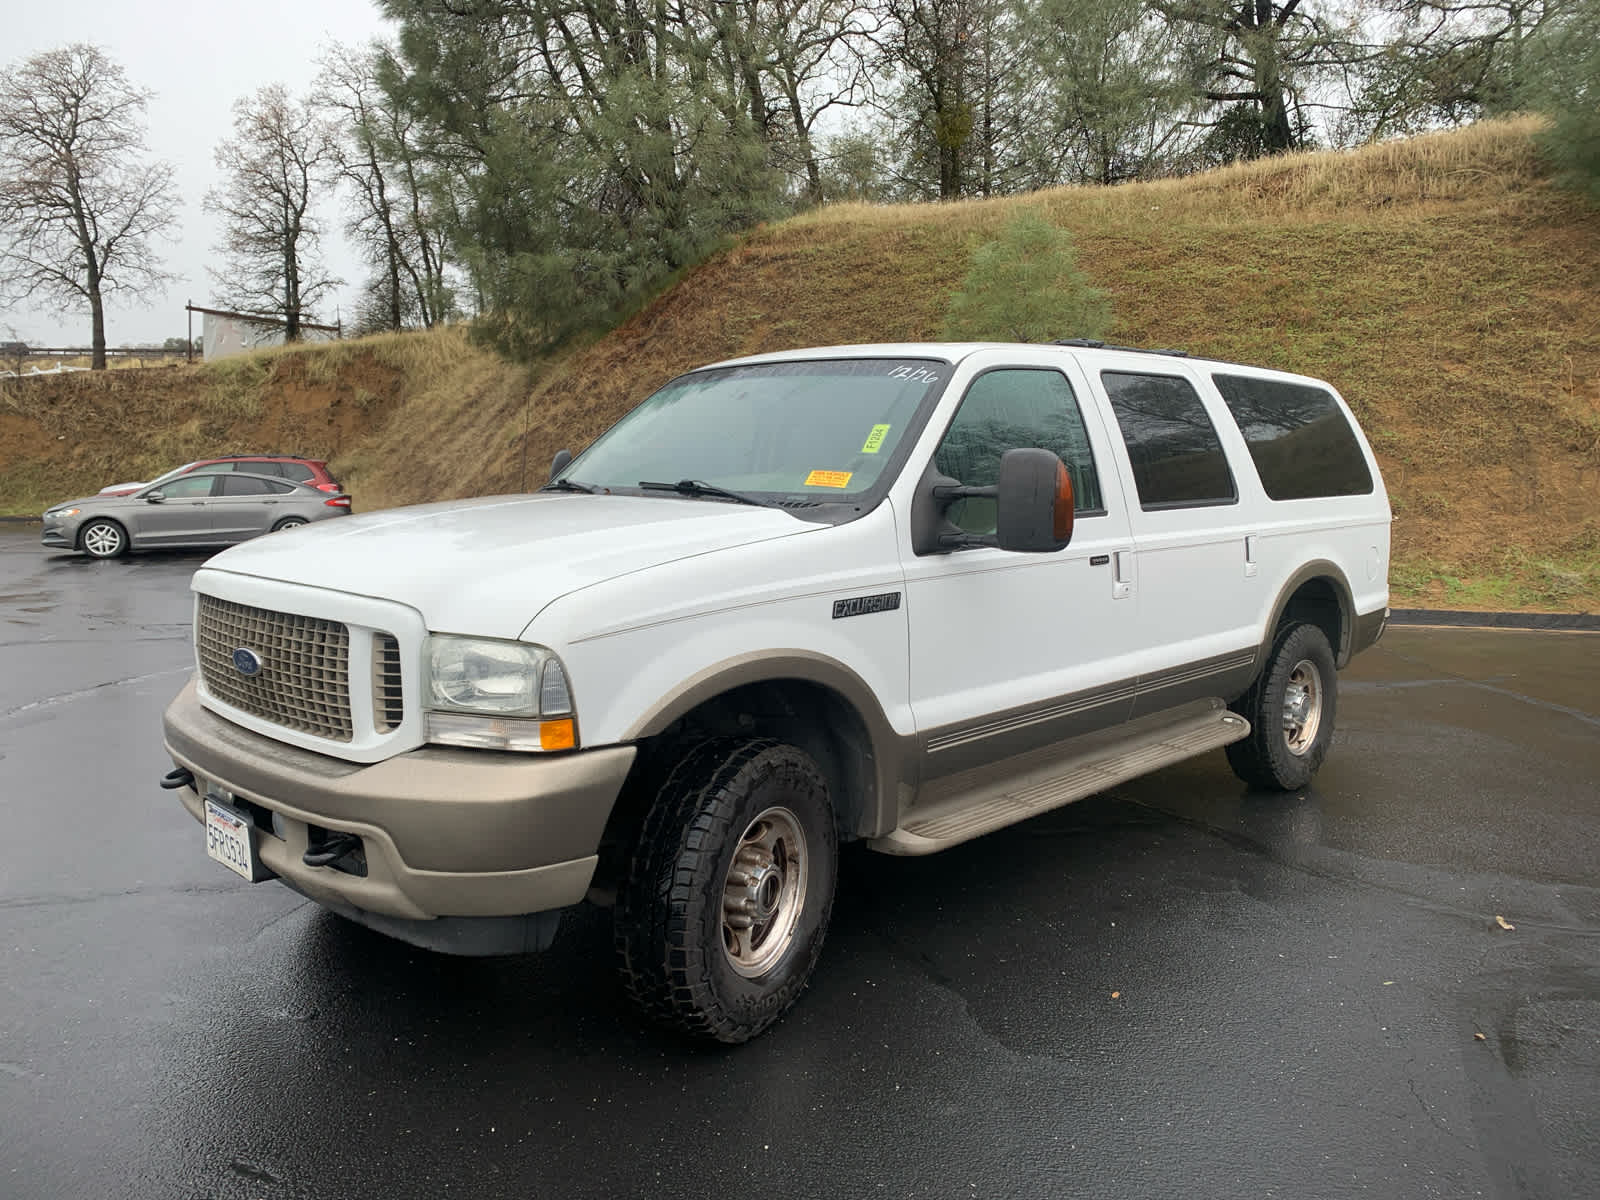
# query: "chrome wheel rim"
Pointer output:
{"type": "Point", "coordinates": [102, 541]}
{"type": "Point", "coordinates": [764, 892]}
{"type": "Point", "coordinates": [291, 523]}
{"type": "Point", "coordinates": [1302, 707]}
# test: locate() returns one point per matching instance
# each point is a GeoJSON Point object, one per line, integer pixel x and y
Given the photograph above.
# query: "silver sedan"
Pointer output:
{"type": "Point", "coordinates": [192, 510]}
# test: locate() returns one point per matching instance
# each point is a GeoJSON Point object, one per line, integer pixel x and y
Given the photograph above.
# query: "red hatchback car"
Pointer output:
{"type": "Point", "coordinates": [302, 470]}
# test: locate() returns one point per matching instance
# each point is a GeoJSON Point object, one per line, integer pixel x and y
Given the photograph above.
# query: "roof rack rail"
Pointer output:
{"type": "Point", "coordinates": [262, 454]}
{"type": "Point", "coordinates": [1093, 344]}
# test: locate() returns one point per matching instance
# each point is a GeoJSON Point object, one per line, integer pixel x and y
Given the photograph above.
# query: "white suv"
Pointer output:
{"type": "Point", "coordinates": [900, 594]}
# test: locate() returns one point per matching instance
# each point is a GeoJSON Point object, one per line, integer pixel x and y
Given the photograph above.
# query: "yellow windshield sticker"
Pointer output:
{"type": "Point", "coordinates": [875, 439]}
{"type": "Point", "coordinates": [834, 479]}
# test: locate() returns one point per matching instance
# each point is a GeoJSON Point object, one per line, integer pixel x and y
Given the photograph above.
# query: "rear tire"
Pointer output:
{"type": "Point", "coordinates": [103, 538]}
{"type": "Point", "coordinates": [289, 523]}
{"type": "Point", "coordinates": [1290, 708]}
{"type": "Point", "coordinates": [725, 902]}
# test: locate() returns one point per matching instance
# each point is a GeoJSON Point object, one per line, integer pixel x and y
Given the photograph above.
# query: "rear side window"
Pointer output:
{"type": "Point", "coordinates": [244, 485]}
{"type": "Point", "coordinates": [295, 471]}
{"type": "Point", "coordinates": [1299, 438]}
{"type": "Point", "coordinates": [1177, 457]}
{"type": "Point", "coordinates": [280, 489]}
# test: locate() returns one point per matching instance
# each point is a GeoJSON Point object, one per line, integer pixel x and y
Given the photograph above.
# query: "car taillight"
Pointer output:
{"type": "Point", "coordinates": [337, 501]}
{"type": "Point", "coordinates": [328, 487]}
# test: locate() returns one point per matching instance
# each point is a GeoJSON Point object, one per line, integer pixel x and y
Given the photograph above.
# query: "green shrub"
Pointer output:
{"type": "Point", "coordinates": [1566, 86]}
{"type": "Point", "coordinates": [1026, 286]}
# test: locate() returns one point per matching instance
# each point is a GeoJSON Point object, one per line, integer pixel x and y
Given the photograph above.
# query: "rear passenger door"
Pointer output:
{"type": "Point", "coordinates": [1012, 651]}
{"type": "Point", "coordinates": [1197, 596]}
{"type": "Point", "coordinates": [245, 506]}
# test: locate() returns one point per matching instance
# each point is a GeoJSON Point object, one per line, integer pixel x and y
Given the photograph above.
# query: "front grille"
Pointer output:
{"type": "Point", "coordinates": [388, 698]}
{"type": "Point", "coordinates": [304, 680]}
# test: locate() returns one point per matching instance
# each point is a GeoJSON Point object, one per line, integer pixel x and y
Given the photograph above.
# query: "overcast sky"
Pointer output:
{"type": "Point", "coordinates": [198, 59]}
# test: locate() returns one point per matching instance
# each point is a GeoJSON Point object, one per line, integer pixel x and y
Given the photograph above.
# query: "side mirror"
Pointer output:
{"type": "Point", "coordinates": [559, 462]}
{"type": "Point", "coordinates": [154, 497]}
{"type": "Point", "coordinates": [1033, 507]}
{"type": "Point", "coordinates": [1033, 502]}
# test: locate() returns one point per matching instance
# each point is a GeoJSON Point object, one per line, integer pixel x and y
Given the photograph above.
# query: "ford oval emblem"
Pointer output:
{"type": "Point", "coordinates": [246, 662]}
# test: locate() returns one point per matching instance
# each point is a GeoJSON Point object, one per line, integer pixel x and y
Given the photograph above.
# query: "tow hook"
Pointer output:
{"type": "Point", "coordinates": [180, 778]}
{"type": "Point", "coordinates": [341, 851]}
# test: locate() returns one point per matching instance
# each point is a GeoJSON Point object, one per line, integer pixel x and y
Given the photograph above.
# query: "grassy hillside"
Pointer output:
{"type": "Point", "coordinates": [1442, 284]}
{"type": "Point", "coordinates": [72, 434]}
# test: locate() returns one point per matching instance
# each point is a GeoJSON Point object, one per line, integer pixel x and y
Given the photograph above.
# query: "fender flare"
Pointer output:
{"type": "Point", "coordinates": [1318, 569]}
{"type": "Point", "coordinates": [893, 756]}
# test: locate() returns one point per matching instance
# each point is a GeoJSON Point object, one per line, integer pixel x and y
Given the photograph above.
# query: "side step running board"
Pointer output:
{"type": "Point", "coordinates": [950, 820]}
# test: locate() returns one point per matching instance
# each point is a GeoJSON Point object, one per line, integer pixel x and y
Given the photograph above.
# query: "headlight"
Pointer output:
{"type": "Point", "coordinates": [63, 512]}
{"type": "Point", "coordinates": [497, 695]}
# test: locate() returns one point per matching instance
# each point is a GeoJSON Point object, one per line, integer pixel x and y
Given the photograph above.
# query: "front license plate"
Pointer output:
{"type": "Point", "coordinates": [228, 840]}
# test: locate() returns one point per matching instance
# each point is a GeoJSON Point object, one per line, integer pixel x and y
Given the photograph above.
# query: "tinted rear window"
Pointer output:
{"type": "Point", "coordinates": [295, 471]}
{"type": "Point", "coordinates": [1299, 438]}
{"type": "Point", "coordinates": [244, 485]}
{"type": "Point", "coordinates": [1177, 458]}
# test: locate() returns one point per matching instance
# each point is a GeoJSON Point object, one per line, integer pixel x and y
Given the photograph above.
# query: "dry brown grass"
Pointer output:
{"type": "Point", "coordinates": [458, 407]}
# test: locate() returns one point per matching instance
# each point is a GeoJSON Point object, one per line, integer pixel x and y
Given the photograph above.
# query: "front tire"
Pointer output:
{"type": "Point", "coordinates": [1290, 708]}
{"type": "Point", "coordinates": [103, 538]}
{"type": "Point", "coordinates": [726, 899]}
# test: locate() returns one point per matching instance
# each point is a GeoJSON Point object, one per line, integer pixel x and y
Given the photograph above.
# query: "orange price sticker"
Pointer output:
{"type": "Point", "coordinates": [833, 479]}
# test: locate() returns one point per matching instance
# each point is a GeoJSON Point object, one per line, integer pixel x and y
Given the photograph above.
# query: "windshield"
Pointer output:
{"type": "Point", "coordinates": [819, 430]}
{"type": "Point", "coordinates": [172, 474]}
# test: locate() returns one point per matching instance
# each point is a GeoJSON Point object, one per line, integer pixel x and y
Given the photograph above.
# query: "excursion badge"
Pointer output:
{"type": "Point", "coordinates": [860, 606]}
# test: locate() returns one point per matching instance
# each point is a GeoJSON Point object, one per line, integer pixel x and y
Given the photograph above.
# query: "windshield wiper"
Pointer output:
{"type": "Point", "coordinates": [698, 487]}
{"type": "Point", "coordinates": [569, 485]}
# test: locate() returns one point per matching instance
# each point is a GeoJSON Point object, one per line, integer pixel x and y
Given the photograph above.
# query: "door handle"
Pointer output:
{"type": "Point", "coordinates": [1251, 544]}
{"type": "Point", "coordinates": [1121, 574]}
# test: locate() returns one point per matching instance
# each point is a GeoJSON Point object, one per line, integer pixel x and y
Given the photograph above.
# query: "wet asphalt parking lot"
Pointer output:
{"type": "Point", "coordinates": [1175, 989]}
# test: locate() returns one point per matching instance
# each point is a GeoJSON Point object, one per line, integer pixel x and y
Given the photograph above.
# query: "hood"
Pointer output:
{"type": "Point", "coordinates": [111, 501]}
{"type": "Point", "coordinates": [488, 566]}
{"type": "Point", "coordinates": [81, 502]}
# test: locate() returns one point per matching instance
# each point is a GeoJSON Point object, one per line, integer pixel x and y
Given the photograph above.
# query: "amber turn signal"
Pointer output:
{"type": "Point", "coordinates": [557, 735]}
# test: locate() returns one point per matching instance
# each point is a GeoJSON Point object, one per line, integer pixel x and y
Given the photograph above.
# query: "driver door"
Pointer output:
{"type": "Point", "coordinates": [1012, 651]}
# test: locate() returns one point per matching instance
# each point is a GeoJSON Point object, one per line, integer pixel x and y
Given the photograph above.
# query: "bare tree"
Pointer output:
{"type": "Point", "coordinates": [280, 152]}
{"type": "Point", "coordinates": [791, 61]}
{"type": "Point", "coordinates": [935, 50]}
{"type": "Point", "coordinates": [79, 208]}
{"type": "Point", "coordinates": [391, 216]}
{"type": "Point", "coordinates": [1258, 59]}
{"type": "Point", "coordinates": [1453, 61]}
